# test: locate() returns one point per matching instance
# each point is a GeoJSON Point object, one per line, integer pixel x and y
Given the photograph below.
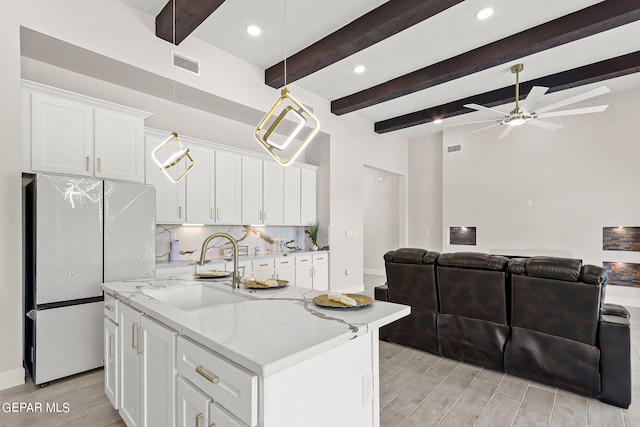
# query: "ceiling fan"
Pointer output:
{"type": "Point", "coordinates": [524, 112]}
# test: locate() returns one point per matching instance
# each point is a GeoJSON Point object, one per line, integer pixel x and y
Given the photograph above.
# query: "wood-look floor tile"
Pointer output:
{"type": "Point", "coordinates": [490, 376]}
{"type": "Point", "coordinates": [461, 377]}
{"type": "Point", "coordinates": [458, 417]}
{"type": "Point", "coordinates": [543, 386]}
{"type": "Point", "coordinates": [430, 358]}
{"type": "Point", "coordinates": [512, 388]}
{"type": "Point", "coordinates": [410, 372]}
{"type": "Point", "coordinates": [475, 398]}
{"type": "Point", "coordinates": [568, 417]}
{"type": "Point", "coordinates": [389, 391]}
{"type": "Point", "coordinates": [499, 412]}
{"type": "Point", "coordinates": [421, 388]}
{"type": "Point", "coordinates": [571, 400]}
{"type": "Point", "coordinates": [537, 405]}
{"type": "Point", "coordinates": [396, 412]}
{"type": "Point", "coordinates": [602, 415]}
{"type": "Point", "coordinates": [434, 407]}
{"type": "Point", "coordinates": [102, 412]}
{"type": "Point", "coordinates": [444, 367]}
{"type": "Point", "coordinates": [521, 421]}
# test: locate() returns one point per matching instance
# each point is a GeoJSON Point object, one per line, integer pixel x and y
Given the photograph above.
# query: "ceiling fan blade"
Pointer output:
{"type": "Point", "coordinates": [586, 110]}
{"type": "Point", "coordinates": [506, 132]}
{"type": "Point", "coordinates": [479, 107]}
{"type": "Point", "coordinates": [572, 100]}
{"type": "Point", "coordinates": [543, 124]}
{"type": "Point", "coordinates": [469, 123]}
{"type": "Point", "coordinates": [478, 130]}
{"type": "Point", "coordinates": [534, 96]}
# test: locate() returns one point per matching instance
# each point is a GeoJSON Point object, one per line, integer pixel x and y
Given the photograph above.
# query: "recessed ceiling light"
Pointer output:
{"type": "Point", "coordinates": [437, 121]}
{"type": "Point", "coordinates": [359, 69]}
{"type": "Point", "coordinates": [254, 30]}
{"type": "Point", "coordinates": [484, 13]}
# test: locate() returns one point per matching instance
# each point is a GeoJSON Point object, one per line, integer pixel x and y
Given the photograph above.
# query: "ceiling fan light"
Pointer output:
{"type": "Point", "coordinates": [517, 121]}
{"type": "Point", "coordinates": [359, 69]}
{"type": "Point", "coordinates": [484, 13]}
{"type": "Point", "coordinates": [254, 30]}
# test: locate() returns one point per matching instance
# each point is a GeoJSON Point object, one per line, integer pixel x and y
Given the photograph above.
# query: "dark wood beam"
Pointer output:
{"type": "Point", "coordinates": [384, 21]}
{"type": "Point", "coordinates": [583, 23]}
{"type": "Point", "coordinates": [189, 15]}
{"type": "Point", "coordinates": [592, 73]}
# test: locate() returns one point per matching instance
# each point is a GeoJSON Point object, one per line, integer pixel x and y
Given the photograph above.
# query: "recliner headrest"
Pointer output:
{"type": "Point", "coordinates": [411, 256]}
{"type": "Point", "coordinates": [567, 269]}
{"type": "Point", "coordinates": [473, 260]}
{"type": "Point", "coordinates": [594, 275]}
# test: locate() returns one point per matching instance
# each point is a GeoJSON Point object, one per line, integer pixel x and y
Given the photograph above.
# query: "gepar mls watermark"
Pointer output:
{"type": "Point", "coordinates": [36, 407]}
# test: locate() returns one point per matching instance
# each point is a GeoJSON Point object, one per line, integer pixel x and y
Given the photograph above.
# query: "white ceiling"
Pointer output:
{"type": "Point", "coordinates": [454, 31]}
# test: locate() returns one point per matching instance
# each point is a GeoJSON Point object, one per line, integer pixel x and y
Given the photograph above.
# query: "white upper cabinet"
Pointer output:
{"type": "Point", "coordinates": [251, 190]}
{"type": "Point", "coordinates": [170, 196]}
{"type": "Point", "coordinates": [228, 179]}
{"type": "Point", "coordinates": [291, 198]}
{"type": "Point", "coordinates": [272, 193]}
{"type": "Point", "coordinates": [200, 186]}
{"type": "Point", "coordinates": [308, 196]}
{"type": "Point", "coordinates": [78, 135]}
{"type": "Point", "coordinates": [61, 135]}
{"type": "Point", "coordinates": [119, 145]}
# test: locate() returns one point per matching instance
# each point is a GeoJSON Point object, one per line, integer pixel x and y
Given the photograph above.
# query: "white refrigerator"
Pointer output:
{"type": "Point", "coordinates": [79, 232]}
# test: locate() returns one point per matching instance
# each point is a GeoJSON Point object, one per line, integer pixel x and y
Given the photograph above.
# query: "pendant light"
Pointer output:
{"type": "Point", "coordinates": [285, 110]}
{"type": "Point", "coordinates": [183, 152]}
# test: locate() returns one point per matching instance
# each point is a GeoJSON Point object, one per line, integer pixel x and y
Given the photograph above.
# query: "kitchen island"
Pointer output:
{"type": "Point", "coordinates": [185, 352]}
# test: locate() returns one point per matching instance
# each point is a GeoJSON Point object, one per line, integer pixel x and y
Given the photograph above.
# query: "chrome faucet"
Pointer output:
{"type": "Point", "coordinates": [203, 252]}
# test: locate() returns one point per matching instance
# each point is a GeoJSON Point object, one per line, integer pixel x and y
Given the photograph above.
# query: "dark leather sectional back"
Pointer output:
{"type": "Point", "coordinates": [541, 318]}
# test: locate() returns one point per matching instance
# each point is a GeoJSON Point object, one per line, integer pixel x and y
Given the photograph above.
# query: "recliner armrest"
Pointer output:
{"type": "Point", "coordinates": [381, 292]}
{"type": "Point", "coordinates": [614, 337]}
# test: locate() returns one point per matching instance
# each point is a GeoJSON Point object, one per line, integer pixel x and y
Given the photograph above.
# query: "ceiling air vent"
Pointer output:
{"type": "Point", "coordinates": [453, 148]}
{"type": "Point", "coordinates": [188, 64]}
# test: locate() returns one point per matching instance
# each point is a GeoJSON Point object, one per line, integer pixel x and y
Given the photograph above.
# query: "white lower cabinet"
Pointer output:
{"type": "Point", "coordinates": [312, 271]}
{"type": "Point", "coordinates": [147, 370]}
{"type": "Point", "coordinates": [286, 269]}
{"type": "Point", "coordinates": [193, 405]}
{"type": "Point", "coordinates": [111, 361]}
{"type": "Point", "coordinates": [263, 269]}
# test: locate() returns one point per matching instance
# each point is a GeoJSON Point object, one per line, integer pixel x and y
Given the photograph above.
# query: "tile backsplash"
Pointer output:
{"type": "Point", "coordinates": [267, 238]}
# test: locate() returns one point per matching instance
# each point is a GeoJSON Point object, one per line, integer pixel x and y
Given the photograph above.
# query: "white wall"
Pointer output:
{"type": "Point", "coordinates": [425, 192]}
{"type": "Point", "coordinates": [116, 31]}
{"type": "Point", "coordinates": [579, 179]}
{"type": "Point", "coordinates": [381, 213]}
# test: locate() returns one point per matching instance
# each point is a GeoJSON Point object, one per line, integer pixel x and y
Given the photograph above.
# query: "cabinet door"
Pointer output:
{"type": "Point", "coordinates": [288, 274]}
{"type": "Point", "coordinates": [119, 145]}
{"type": "Point", "coordinates": [158, 374]}
{"type": "Point", "coordinates": [219, 417]}
{"type": "Point", "coordinates": [129, 363]}
{"type": "Point", "coordinates": [61, 135]}
{"type": "Point", "coordinates": [321, 277]}
{"type": "Point", "coordinates": [308, 196]}
{"type": "Point", "coordinates": [200, 187]}
{"type": "Point", "coordinates": [303, 276]}
{"type": "Point", "coordinates": [228, 191]}
{"type": "Point", "coordinates": [170, 197]}
{"type": "Point", "coordinates": [193, 405]}
{"type": "Point", "coordinates": [292, 196]}
{"type": "Point", "coordinates": [111, 361]}
{"type": "Point", "coordinates": [272, 193]}
{"type": "Point", "coordinates": [251, 190]}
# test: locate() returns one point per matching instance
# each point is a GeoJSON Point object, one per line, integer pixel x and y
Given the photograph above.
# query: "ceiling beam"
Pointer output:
{"type": "Point", "coordinates": [592, 73]}
{"type": "Point", "coordinates": [189, 15]}
{"type": "Point", "coordinates": [583, 23]}
{"type": "Point", "coordinates": [384, 21]}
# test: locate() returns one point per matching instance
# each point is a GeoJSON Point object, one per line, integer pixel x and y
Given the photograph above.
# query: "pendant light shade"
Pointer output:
{"type": "Point", "coordinates": [286, 113]}
{"type": "Point", "coordinates": [178, 157]}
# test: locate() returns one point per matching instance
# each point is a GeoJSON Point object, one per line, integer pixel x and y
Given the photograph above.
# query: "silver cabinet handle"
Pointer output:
{"type": "Point", "coordinates": [133, 334]}
{"type": "Point", "coordinates": [198, 418]}
{"type": "Point", "coordinates": [138, 346]}
{"type": "Point", "coordinates": [111, 341]}
{"type": "Point", "coordinates": [108, 307]}
{"type": "Point", "coordinates": [212, 213]}
{"type": "Point", "coordinates": [217, 213]}
{"type": "Point", "coordinates": [99, 164]}
{"type": "Point", "coordinates": [211, 378]}
{"type": "Point", "coordinates": [179, 211]}
{"type": "Point", "coordinates": [284, 262]}
{"type": "Point", "coordinates": [87, 160]}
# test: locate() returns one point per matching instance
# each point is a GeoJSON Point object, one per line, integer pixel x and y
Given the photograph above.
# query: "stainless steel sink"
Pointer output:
{"type": "Point", "coordinates": [195, 297]}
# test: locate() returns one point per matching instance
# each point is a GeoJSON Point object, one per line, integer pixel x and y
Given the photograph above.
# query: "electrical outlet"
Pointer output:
{"type": "Point", "coordinates": [367, 388]}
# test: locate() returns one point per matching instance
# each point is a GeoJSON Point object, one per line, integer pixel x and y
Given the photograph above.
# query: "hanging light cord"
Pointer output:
{"type": "Point", "coordinates": [173, 63]}
{"type": "Point", "coordinates": [285, 44]}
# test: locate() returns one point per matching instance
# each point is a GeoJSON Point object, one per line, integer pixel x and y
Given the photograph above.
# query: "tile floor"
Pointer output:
{"type": "Point", "coordinates": [416, 389]}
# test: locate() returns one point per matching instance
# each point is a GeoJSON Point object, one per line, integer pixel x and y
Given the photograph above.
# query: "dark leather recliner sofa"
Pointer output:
{"type": "Point", "coordinates": [540, 318]}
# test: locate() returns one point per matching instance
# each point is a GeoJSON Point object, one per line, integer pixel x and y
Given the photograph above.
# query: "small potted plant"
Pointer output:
{"type": "Point", "coordinates": [312, 231]}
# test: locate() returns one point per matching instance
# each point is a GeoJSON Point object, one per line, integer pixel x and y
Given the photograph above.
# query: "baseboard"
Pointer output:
{"type": "Point", "coordinates": [374, 271]}
{"type": "Point", "coordinates": [11, 378]}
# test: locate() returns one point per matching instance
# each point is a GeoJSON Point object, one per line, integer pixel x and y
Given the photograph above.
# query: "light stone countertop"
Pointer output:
{"type": "Point", "coordinates": [222, 259]}
{"type": "Point", "coordinates": [270, 330]}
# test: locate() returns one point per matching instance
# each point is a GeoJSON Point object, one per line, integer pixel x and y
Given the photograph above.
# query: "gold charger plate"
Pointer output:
{"type": "Point", "coordinates": [324, 301]}
{"type": "Point", "coordinates": [252, 284]}
{"type": "Point", "coordinates": [212, 274]}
